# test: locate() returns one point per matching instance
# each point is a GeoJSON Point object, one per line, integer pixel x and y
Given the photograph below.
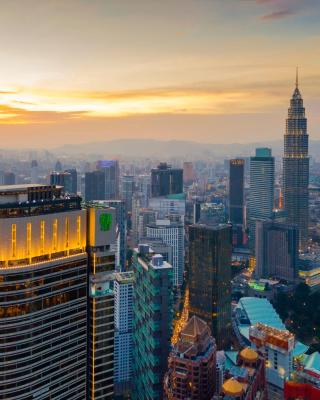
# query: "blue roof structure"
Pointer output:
{"type": "Point", "coordinates": [312, 362]}
{"type": "Point", "coordinates": [260, 310]}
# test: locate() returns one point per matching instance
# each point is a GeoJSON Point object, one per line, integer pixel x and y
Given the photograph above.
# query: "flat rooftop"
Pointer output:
{"type": "Point", "coordinates": [24, 187]}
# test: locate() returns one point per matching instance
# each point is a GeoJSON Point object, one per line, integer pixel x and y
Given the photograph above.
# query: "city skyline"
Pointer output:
{"type": "Point", "coordinates": [111, 70]}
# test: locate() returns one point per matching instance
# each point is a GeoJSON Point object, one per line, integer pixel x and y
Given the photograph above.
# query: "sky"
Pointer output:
{"type": "Point", "coordinates": [216, 71]}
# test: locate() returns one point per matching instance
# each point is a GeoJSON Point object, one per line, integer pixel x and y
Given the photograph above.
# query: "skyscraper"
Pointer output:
{"type": "Point", "coordinates": [296, 167]}
{"type": "Point", "coordinates": [166, 180]}
{"type": "Point", "coordinates": [261, 193]}
{"type": "Point", "coordinates": [192, 364]}
{"type": "Point", "coordinates": [101, 235]}
{"type": "Point", "coordinates": [236, 191]}
{"type": "Point", "coordinates": [127, 190]}
{"type": "Point", "coordinates": [172, 233]}
{"type": "Point", "coordinates": [103, 184]}
{"type": "Point", "coordinates": [152, 323]}
{"type": "Point", "coordinates": [123, 323]}
{"type": "Point", "coordinates": [34, 172]}
{"type": "Point", "coordinates": [277, 247]}
{"type": "Point", "coordinates": [210, 278]}
{"type": "Point", "coordinates": [67, 179]}
{"type": "Point", "coordinates": [43, 294]}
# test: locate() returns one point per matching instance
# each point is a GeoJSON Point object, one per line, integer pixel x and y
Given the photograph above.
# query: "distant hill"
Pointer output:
{"type": "Point", "coordinates": [135, 148]}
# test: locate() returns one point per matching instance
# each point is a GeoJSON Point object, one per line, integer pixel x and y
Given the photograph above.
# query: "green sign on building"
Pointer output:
{"type": "Point", "coordinates": [105, 222]}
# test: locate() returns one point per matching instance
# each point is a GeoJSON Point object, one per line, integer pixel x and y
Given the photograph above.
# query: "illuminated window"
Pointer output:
{"type": "Point", "coordinates": [67, 232]}
{"type": "Point", "coordinates": [79, 230]}
{"type": "Point", "coordinates": [42, 225]}
{"type": "Point", "coordinates": [55, 234]}
{"type": "Point", "coordinates": [14, 240]}
{"type": "Point", "coordinates": [29, 232]}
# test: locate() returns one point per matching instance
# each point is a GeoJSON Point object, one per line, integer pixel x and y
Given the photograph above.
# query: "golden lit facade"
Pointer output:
{"type": "Point", "coordinates": [43, 290]}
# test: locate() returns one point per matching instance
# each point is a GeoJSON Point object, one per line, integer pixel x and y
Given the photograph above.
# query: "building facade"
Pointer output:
{"type": "Point", "coordinates": [101, 235]}
{"type": "Point", "coordinates": [236, 191]}
{"type": "Point", "coordinates": [166, 180]}
{"type": "Point", "coordinates": [172, 234]}
{"type": "Point", "coordinates": [123, 320]}
{"type": "Point", "coordinates": [261, 192]}
{"type": "Point", "coordinates": [277, 250]}
{"type": "Point", "coordinates": [210, 278]}
{"type": "Point", "coordinates": [192, 364]}
{"type": "Point", "coordinates": [152, 323]}
{"type": "Point", "coordinates": [296, 167]}
{"type": "Point", "coordinates": [43, 294]}
{"type": "Point", "coordinates": [103, 183]}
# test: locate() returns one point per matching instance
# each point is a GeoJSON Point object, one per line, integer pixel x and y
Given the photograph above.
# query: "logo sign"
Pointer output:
{"type": "Point", "coordinates": [105, 222]}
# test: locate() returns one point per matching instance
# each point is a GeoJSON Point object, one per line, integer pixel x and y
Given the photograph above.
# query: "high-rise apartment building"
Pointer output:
{"type": "Point", "coordinates": [277, 246]}
{"type": "Point", "coordinates": [101, 235]}
{"type": "Point", "coordinates": [210, 278]}
{"type": "Point", "coordinates": [123, 323]}
{"type": "Point", "coordinates": [103, 184]}
{"type": "Point", "coordinates": [188, 173]}
{"type": "Point", "coordinates": [296, 167]}
{"type": "Point", "coordinates": [192, 364]}
{"type": "Point", "coordinates": [43, 294]}
{"type": "Point", "coordinates": [261, 192]}
{"type": "Point", "coordinates": [236, 191]}
{"type": "Point", "coordinates": [152, 323]}
{"type": "Point", "coordinates": [166, 180]}
{"type": "Point", "coordinates": [171, 233]}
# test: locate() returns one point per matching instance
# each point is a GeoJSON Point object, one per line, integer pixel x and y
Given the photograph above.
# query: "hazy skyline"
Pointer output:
{"type": "Point", "coordinates": [217, 71]}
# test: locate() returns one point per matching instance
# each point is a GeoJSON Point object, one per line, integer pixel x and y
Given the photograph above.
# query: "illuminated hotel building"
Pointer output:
{"type": "Point", "coordinates": [43, 294]}
{"type": "Point", "coordinates": [100, 238]}
{"type": "Point", "coordinates": [296, 167]}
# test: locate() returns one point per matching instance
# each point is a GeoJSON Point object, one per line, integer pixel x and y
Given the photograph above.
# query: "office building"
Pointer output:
{"type": "Point", "coordinates": [67, 179]}
{"type": "Point", "coordinates": [143, 185]}
{"type": "Point", "coordinates": [169, 205]}
{"type": "Point", "coordinates": [100, 237]}
{"type": "Point", "coordinates": [277, 246]}
{"type": "Point", "coordinates": [7, 178]}
{"type": "Point", "coordinates": [43, 294]}
{"type": "Point", "coordinates": [34, 172]}
{"type": "Point", "coordinates": [152, 323]}
{"type": "Point", "coordinates": [188, 173]}
{"type": "Point", "coordinates": [236, 191]}
{"type": "Point", "coordinates": [296, 167]}
{"type": "Point", "coordinates": [261, 192]}
{"type": "Point", "coordinates": [103, 183]}
{"type": "Point", "coordinates": [127, 190]}
{"type": "Point", "coordinates": [166, 180]}
{"type": "Point", "coordinates": [171, 233]}
{"type": "Point", "coordinates": [145, 217]}
{"type": "Point", "coordinates": [192, 364]}
{"type": "Point", "coordinates": [210, 278]}
{"type": "Point", "coordinates": [123, 323]}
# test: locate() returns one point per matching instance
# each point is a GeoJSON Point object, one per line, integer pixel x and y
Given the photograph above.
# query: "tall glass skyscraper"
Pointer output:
{"type": "Point", "coordinates": [236, 189]}
{"type": "Point", "coordinates": [261, 193]}
{"type": "Point", "coordinates": [210, 277]}
{"type": "Point", "coordinates": [296, 167]}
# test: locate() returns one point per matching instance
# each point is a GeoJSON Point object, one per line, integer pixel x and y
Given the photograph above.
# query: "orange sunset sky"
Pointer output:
{"type": "Point", "coordinates": [218, 71]}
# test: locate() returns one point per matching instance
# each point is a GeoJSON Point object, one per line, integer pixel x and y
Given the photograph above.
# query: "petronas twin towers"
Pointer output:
{"type": "Point", "coordinates": [296, 167]}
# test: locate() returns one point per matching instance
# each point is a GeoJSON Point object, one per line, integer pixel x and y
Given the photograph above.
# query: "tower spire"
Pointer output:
{"type": "Point", "coordinates": [297, 77]}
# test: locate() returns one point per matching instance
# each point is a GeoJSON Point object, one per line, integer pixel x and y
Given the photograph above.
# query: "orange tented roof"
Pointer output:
{"type": "Point", "coordinates": [233, 388]}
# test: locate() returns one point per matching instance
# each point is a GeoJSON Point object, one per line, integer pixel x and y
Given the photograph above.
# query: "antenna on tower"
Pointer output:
{"type": "Point", "coordinates": [297, 77]}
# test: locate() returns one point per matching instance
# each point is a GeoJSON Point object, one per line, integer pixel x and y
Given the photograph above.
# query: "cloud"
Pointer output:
{"type": "Point", "coordinates": [277, 15]}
